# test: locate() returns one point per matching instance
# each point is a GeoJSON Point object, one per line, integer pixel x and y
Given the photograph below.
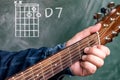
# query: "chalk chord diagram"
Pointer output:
{"type": "Point", "coordinates": [26, 19]}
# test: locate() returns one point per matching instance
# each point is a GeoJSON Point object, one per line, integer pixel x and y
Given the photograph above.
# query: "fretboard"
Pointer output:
{"type": "Point", "coordinates": [54, 64]}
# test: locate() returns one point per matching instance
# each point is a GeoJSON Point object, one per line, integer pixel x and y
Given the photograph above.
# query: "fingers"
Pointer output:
{"type": "Point", "coordinates": [88, 67]}
{"type": "Point", "coordinates": [104, 49]}
{"type": "Point", "coordinates": [99, 50]}
{"type": "Point", "coordinates": [96, 55]}
{"type": "Point", "coordinates": [89, 31]}
{"type": "Point", "coordinates": [98, 62]}
{"type": "Point", "coordinates": [83, 34]}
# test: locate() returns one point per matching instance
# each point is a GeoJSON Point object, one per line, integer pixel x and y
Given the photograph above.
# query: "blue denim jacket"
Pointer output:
{"type": "Point", "coordinates": [14, 62]}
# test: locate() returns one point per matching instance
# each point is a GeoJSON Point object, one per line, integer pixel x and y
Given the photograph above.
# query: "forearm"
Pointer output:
{"type": "Point", "coordinates": [13, 62]}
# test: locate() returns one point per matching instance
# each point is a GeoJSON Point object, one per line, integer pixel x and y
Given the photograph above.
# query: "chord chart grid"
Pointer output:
{"type": "Point", "coordinates": [26, 19]}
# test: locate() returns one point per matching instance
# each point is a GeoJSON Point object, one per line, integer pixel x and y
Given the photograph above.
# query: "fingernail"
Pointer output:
{"type": "Point", "coordinates": [84, 57]}
{"type": "Point", "coordinates": [86, 49]}
{"type": "Point", "coordinates": [99, 24]}
{"type": "Point", "coordinates": [95, 46]}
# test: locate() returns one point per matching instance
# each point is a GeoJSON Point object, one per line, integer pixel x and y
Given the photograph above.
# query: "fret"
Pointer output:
{"type": "Point", "coordinates": [76, 56]}
{"type": "Point", "coordinates": [69, 54]}
{"type": "Point", "coordinates": [65, 58]}
{"type": "Point", "coordinates": [66, 62]}
{"type": "Point", "coordinates": [77, 53]}
{"type": "Point", "coordinates": [50, 60]}
{"type": "Point", "coordinates": [73, 46]}
{"type": "Point", "coordinates": [29, 76]}
{"type": "Point", "coordinates": [23, 76]}
{"type": "Point", "coordinates": [46, 68]}
{"type": "Point", "coordinates": [18, 76]}
{"type": "Point", "coordinates": [56, 64]}
{"type": "Point", "coordinates": [37, 72]}
{"type": "Point", "coordinates": [80, 51]}
{"type": "Point", "coordinates": [42, 72]}
{"type": "Point", "coordinates": [88, 42]}
{"type": "Point", "coordinates": [60, 61]}
{"type": "Point", "coordinates": [31, 70]}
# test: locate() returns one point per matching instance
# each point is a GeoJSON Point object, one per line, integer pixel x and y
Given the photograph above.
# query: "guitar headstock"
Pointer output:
{"type": "Point", "coordinates": [110, 22]}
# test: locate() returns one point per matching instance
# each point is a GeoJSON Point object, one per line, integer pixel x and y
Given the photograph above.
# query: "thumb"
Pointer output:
{"type": "Point", "coordinates": [88, 31]}
{"type": "Point", "coordinates": [84, 34]}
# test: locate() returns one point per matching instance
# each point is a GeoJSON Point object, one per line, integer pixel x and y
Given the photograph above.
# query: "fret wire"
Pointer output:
{"type": "Point", "coordinates": [74, 46]}
{"type": "Point", "coordinates": [51, 66]}
{"type": "Point", "coordinates": [46, 67]}
{"type": "Point", "coordinates": [21, 76]}
{"type": "Point", "coordinates": [56, 62]}
{"type": "Point", "coordinates": [15, 77]}
{"type": "Point", "coordinates": [36, 70]}
{"type": "Point", "coordinates": [28, 72]}
{"type": "Point", "coordinates": [66, 59]}
{"type": "Point", "coordinates": [82, 49]}
{"type": "Point", "coordinates": [60, 60]}
{"type": "Point", "coordinates": [46, 71]}
{"type": "Point", "coordinates": [32, 72]}
{"type": "Point", "coordinates": [75, 58]}
{"type": "Point", "coordinates": [80, 43]}
{"type": "Point", "coordinates": [47, 74]}
{"type": "Point", "coordinates": [56, 65]}
{"type": "Point", "coordinates": [83, 42]}
{"type": "Point", "coordinates": [57, 69]}
{"type": "Point", "coordinates": [88, 42]}
{"type": "Point", "coordinates": [69, 54]}
{"type": "Point", "coordinates": [42, 72]}
{"type": "Point", "coordinates": [72, 51]}
{"type": "Point", "coordinates": [66, 64]}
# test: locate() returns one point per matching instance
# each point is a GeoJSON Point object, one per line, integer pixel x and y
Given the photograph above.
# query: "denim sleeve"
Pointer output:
{"type": "Point", "coordinates": [14, 62]}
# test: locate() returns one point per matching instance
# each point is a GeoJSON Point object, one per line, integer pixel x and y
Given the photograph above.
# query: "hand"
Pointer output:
{"type": "Point", "coordinates": [95, 55]}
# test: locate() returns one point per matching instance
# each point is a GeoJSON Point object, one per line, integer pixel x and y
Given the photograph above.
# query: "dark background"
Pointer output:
{"type": "Point", "coordinates": [76, 15]}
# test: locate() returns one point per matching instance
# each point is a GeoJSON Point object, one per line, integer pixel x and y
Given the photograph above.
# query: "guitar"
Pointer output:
{"type": "Point", "coordinates": [54, 64]}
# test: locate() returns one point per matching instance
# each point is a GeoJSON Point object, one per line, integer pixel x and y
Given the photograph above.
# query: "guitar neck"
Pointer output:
{"type": "Point", "coordinates": [57, 62]}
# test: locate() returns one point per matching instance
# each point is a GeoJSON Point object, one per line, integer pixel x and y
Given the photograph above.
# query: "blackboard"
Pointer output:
{"type": "Point", "coordinates": [76, 16]}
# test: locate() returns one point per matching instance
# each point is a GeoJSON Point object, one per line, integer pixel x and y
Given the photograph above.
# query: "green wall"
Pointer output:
{"type": "Point", "coordinates": [76, 15]}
